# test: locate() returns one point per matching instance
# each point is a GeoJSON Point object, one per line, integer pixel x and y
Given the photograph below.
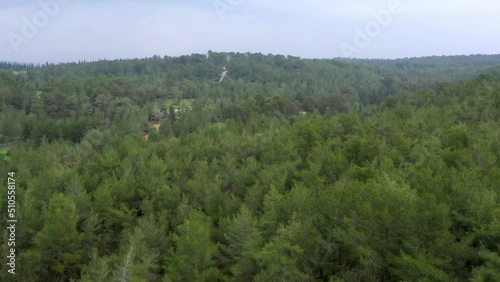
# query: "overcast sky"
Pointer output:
{"type": "Point", "coordinates": [72, 30]}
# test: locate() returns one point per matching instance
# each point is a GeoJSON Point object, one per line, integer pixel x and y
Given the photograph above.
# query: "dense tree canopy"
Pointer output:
{"type": "Point", "coordinates": [287, 170]}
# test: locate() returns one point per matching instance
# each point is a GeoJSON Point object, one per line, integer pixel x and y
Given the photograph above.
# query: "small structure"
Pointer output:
{"type": "Point", "coordinates": [157, 114]}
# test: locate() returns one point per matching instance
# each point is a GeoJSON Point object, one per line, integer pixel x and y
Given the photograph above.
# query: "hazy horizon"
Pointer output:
{"type": "Point", "coordinates": [162, 56]}
{"type": "Point", "coordinates": [62, 31]}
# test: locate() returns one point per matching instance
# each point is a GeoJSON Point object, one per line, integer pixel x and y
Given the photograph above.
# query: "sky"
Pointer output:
{"type": "Point", "coordinates": [54, 31]}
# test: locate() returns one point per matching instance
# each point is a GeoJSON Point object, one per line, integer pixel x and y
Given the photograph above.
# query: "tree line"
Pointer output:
{"type": "Point", "coordinates": [245, 181]}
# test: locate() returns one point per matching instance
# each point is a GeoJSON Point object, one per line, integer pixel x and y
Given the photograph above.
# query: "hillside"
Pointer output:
{"type": "Point", "coordinates": [287, 170]}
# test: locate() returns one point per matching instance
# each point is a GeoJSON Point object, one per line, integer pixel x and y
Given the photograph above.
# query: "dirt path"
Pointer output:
{"type": "Point", "coordinates": [155, 126]}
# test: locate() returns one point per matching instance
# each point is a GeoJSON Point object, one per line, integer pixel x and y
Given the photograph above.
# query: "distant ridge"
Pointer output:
{"type": "Point", "coordinates": [374, 61]}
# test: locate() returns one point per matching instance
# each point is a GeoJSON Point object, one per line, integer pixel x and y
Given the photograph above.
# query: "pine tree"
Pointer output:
{"type": "Point", "coordinates": [279, 259]}
{"type": "Point", "coordinates": [242, 239]}
{"type": "Point", "coordinates": [59, 242]}
{"type": "Point", "coordinates": [192, 258]}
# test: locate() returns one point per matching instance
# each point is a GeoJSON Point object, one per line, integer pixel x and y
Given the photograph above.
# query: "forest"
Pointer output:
{"type": "Point", "coordinates": [288, 169]}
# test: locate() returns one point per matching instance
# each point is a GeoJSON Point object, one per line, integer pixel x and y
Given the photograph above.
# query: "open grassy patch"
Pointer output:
{"type": "Point", "coordinates": [20, 72]}
{"type": "Point", "coordinates": [4, 154]}
{"type": "Point", "coordinates": [179, 104]}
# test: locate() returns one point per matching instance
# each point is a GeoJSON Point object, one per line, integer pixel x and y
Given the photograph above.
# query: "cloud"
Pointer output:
{"type": "Point", "coordinates": [127, 29]}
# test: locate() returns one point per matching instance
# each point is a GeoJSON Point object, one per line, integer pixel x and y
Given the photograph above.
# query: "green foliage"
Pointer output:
{"type": "Point", "coordinates": [242, 238]}
{"type": "Point", "coordinates": [59, 241]}
{"type": "Point", "coordinates": [97, 269]}
{"type": "Point", "coordinates": [490, 270]}
{"type": "Point", "coordinates": [278, 259]}
{"type": "Point", "coordinates": [192, 258]}
{"type": "Point", "coordinates": [4, 154]}
{"type": "Point", "coordinates": [286, 171]}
